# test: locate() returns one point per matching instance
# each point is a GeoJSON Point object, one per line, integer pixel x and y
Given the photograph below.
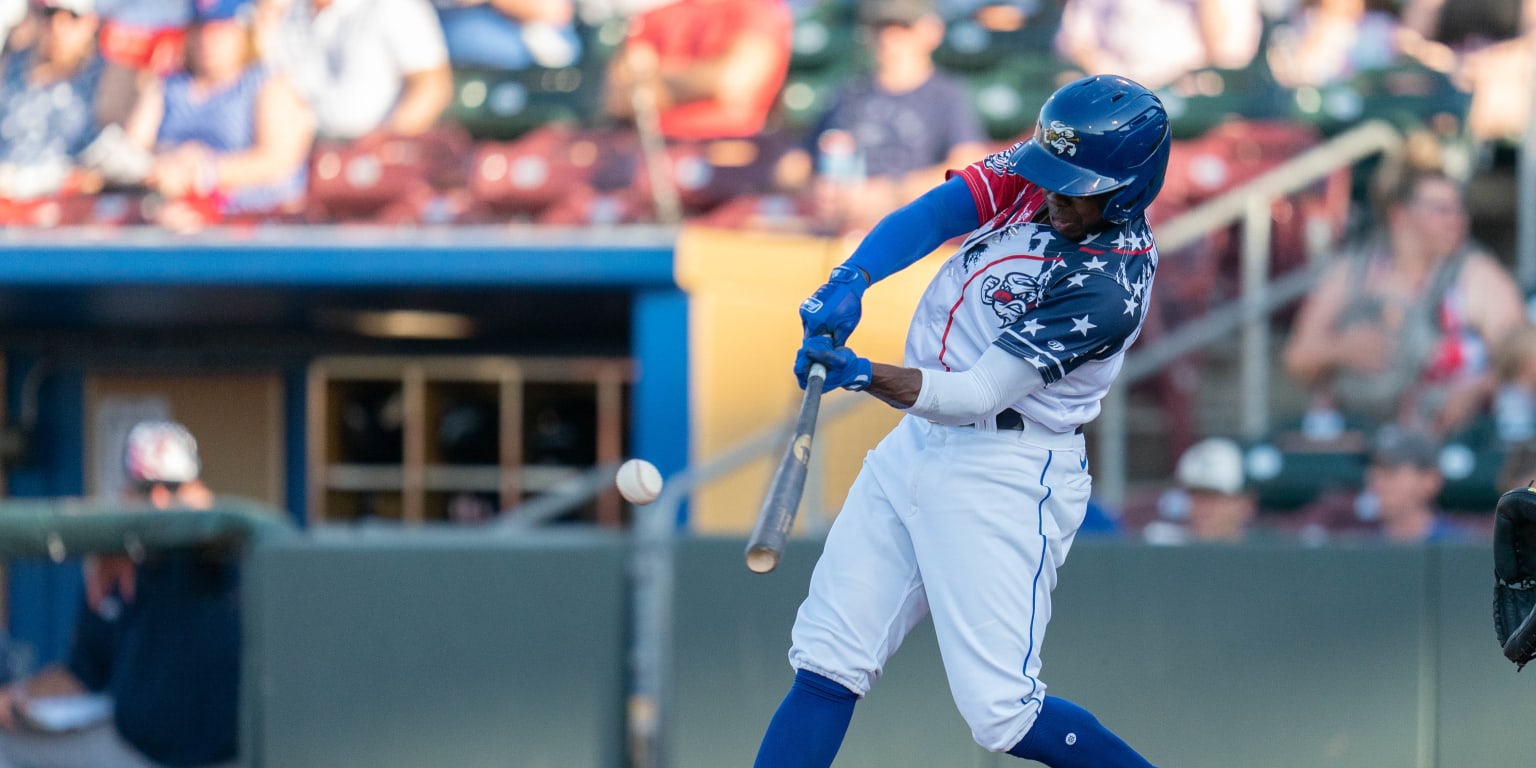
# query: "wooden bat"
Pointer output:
{"type": "Point", "coordinates": [780, 506]}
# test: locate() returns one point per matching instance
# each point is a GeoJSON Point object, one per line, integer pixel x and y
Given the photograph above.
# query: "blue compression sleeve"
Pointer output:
{"type": "Point", "coordinates": [1067, 736]}
{"type": "Point", "coordinates": [914, 230]}
{"type": "Point", "coordinates": [809, 727]}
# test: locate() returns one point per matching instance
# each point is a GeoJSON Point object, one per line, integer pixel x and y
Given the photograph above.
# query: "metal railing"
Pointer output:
{"type": "Point", "coordinates": [1252, 205]}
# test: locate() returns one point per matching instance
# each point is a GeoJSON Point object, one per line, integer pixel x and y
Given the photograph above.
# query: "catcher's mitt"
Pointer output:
{"type": "Point", "coordinates": [1514, 571]}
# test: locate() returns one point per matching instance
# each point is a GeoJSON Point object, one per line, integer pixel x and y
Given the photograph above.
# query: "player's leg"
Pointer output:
{"type": "Point", "coordinates": [990, 545]}
{"type": "Point", "coordinates": [1065, 735]}
{"type": "Point", "coordinates": [1019, 499]}
{"type": "Point", "coordinates": [865, 595]}
{"type": "Point", "coordinates": [808, 728]}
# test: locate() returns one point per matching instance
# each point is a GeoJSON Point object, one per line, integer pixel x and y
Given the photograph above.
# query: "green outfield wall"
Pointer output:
{"type": "Point", "coordinates": [432, 648]}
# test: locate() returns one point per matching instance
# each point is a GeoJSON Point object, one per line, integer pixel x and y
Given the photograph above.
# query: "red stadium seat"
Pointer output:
{"type": "Point", "coordinates": [529, 174]}
{"type": "Point", "coordinates": [590, 207]}
{"type": "Point", "coordinates": [709, 173]}
{"type": "Point", "coordinates": [351, 181]}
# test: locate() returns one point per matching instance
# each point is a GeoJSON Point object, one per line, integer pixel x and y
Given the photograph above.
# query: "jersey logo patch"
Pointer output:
{"type": "Point", "coordinates": [1011, 296]}
{"type": "Point", "coordinates": [1062, 138]}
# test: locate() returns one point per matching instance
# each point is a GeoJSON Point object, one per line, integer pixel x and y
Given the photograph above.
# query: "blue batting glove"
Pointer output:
{"type": "Point", "coordinates": [844, 368]}
{"type": "Point", "coordinates": [834, 309]}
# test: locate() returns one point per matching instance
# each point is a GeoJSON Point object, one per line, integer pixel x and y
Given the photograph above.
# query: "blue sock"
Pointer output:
{"type": "Point", "coordinates": [1068, 736]}
{"type": "Point", "coordinates": [809, 727]}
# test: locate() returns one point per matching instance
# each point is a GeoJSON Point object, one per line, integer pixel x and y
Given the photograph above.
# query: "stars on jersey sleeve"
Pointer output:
{"type": "Point", "coordinates": [1085, 316]}
{"type": "Point", "coordinates": [1096, 263]}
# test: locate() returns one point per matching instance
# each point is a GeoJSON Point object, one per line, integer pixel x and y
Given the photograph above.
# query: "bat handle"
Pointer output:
{"type": "Point", "coordinates": [816, 378]}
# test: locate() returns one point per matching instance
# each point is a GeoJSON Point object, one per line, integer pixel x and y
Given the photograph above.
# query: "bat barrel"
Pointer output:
{"type": "Point", "coordinates": [777, 516]}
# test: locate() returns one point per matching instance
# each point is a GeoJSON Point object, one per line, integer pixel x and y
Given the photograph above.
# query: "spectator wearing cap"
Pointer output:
{"type": "Point", "coordinates": [878, 144]}
{"type": "Point", "coordinates": [1212, 501]}
{"type": "Point", "coordinates": [368, 68]}
{"type": "Point", "coordinates": [229, 137]}
{"type": "Point", "coordinates": [47, 93]}
{"type": "Point", "coordinates": [158, 640]}
{"type": "Point", "coordinates": [1397, 502]}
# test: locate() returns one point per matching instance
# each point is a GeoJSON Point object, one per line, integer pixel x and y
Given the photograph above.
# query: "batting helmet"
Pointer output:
{"type": "Point", "coordinates": [1096, 135]}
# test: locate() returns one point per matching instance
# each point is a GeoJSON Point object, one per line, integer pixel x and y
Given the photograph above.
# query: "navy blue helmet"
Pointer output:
{"type": "Point", "coordinates": [1099, 134]}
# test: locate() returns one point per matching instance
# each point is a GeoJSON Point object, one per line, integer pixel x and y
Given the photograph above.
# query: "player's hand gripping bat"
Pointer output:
{"type": "Point", "coordinates": [777, 515]}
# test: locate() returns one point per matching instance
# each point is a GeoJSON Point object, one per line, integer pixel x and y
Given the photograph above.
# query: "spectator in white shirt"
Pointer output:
{"type": "Point", "coordinates": [368, 68]}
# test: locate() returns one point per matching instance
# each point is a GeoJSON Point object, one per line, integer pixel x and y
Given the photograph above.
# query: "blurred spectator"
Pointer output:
{"type": "Point", "coordinates": [1328, 41]}
{"type": "Point", "coordinates": [228, 136]}
{"type": "Point", "coordinates": [879, 144]}
{"type": "Point", "coordinates": [1489, 44]}
{"type": "Point", "coordinates": [156, 649]}
{"type": "Point", "coordinates": [509, 34]}
{"type": "Point", "coordinates": [1402, 328]}
{"type": "Point", "coordinates": [1515, 402]}
{"type": "Point", "coordinates": [367, 68]}
{"type": "Point", "coordinates": [140, 40]}
{"type": "Point", "coordinates": [712, 67]}
{"type": "Point", "coordinates": [1397, 502]}
{"type": "Point", "coordinates": [12, 14]}
{"type": "Point", "coordinates": [46, 95]}
{"type": "Point", "coordinates": [1155, 42]}
{"type": "Point", "coordinates": [1211, 502]}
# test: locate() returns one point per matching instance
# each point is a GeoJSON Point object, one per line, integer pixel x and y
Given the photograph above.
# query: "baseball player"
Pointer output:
{"type": "Point", "coordinates": [966, 510]}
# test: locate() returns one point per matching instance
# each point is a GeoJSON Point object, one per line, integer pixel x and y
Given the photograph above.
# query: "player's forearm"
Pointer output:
{"type": "Point", "coordinates": [895, 385]}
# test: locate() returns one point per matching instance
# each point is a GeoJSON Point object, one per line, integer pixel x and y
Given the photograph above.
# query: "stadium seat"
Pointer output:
{"type": "Point", "coordinates": [591, 207]}
{"type": "Point", "coordinates": [350, 181]}
{"type": "Point", "coordinates": [824, 35]}
{"type": "Point", "coordinates": [1008, 97]}
{"type": "Point", "coordinates": [1409, 94]}
{"type": "Point", "coordinates": [505, 105]}
{"type": "Point", "coordinates": [529, 174]}
{"type": "Point", "coordinates": [707, 174]}
{"type": "Point", "coordinates": [1206, 98]}
{"type": "Point", "coordinates": [807, 94]}
{"type": "Point", "coordinates": [970, 45]}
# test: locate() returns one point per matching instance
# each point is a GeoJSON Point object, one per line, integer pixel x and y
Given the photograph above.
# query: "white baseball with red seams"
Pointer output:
{"type": "Point", "coordinates": [639, 481]}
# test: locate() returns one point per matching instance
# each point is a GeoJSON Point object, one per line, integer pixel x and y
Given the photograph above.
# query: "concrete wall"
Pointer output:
{"type": "Point", "coordinates": [410, 651]}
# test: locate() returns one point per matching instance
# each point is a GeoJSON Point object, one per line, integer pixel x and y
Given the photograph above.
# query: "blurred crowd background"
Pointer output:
{"type": "Point", "coordinates": [812, 116]}
{"type": "Point", "coordinates": [817, 117]}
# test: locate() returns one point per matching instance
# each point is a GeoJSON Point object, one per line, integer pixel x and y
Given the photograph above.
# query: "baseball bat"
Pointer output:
{"type": "Point", "coordinates": [777, 515]}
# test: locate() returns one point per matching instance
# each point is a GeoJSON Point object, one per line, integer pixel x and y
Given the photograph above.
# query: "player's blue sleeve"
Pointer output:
{"type": "Point", "coordinates": [914, 230]}
{"type": "Point", "coordinates": [1087, 316]}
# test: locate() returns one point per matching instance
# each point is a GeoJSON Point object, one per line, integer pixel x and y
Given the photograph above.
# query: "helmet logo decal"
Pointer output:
{"type": "Point", "coordinates": [1062, 138]}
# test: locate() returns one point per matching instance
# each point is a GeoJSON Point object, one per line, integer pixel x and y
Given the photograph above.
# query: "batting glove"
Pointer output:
{"type": "Point", "coordinates": [834, 309]}
{"type": "Point", "coordinates": [844, 368]}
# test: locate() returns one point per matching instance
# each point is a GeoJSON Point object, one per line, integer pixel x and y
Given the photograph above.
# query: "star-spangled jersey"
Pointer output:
{"type": "Point", "coordinates": [1069, 308]}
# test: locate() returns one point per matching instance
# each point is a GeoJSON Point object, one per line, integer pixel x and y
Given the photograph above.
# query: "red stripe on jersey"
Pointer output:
{"type": "Point", "coordinates": [950, 322]}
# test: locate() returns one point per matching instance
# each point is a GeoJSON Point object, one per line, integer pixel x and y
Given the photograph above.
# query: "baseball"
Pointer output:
{"type": "Point", "coordinates": [639, 481]}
